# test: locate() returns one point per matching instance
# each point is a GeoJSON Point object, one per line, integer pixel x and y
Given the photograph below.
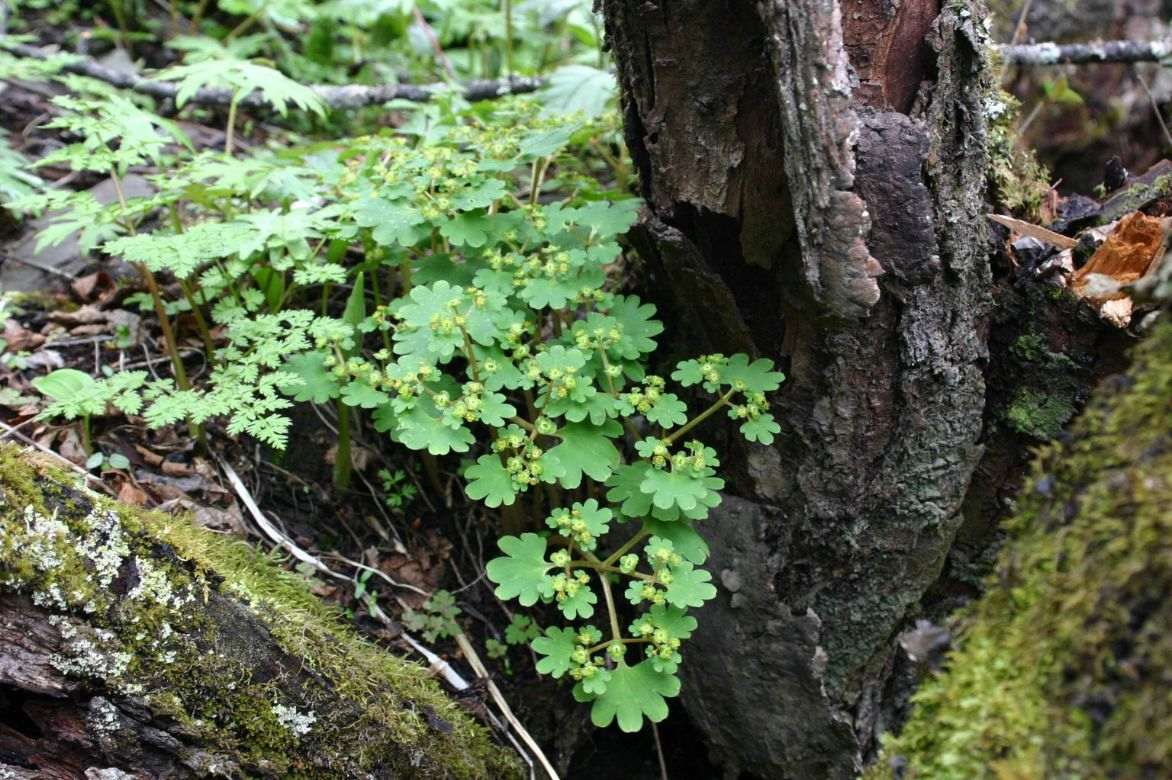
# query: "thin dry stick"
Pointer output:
{"type": "Point", "coordinates": [10, 431]}
{"type": "Point", "coordinates": [1155, 108]}
{"type": "Point", "coordinates": [478, 666]}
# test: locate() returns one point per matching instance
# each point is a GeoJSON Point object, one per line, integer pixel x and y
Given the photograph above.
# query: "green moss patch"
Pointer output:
{"type": "Point", "coordinates": [1064, 667]}
{"type": "Point", "coordinates": [213, 635]}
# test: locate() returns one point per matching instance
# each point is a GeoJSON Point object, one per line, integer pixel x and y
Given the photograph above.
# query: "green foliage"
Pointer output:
{"type": "Point", "coordinates": [437, 618]}
{"type": "Point", "coordinates": [15, 179]}
{"type": "Point", "coordinates": [241, 78]}
{"type": "Point", "coordinates": [455, 284]}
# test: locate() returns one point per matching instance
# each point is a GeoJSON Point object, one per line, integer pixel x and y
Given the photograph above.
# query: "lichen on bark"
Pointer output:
{"type": "Point", "coordinates": [1061, 669]}
{"type": "Point", "coordinates": [176, 650]}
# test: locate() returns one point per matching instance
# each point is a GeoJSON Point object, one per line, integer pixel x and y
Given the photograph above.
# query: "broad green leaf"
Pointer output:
{"type": "Point", "coordinates": [632, 693]}
{"type": "Point", "coordinates": [580, 605]}
{"type": "Point", "coordinates": [676, 621]}
{"type": "Point", "coordinates": [587, 449]}
{"type": "Point", "coordinates": [668, 411]}
{"type": "Point", "coordinates": [690, 587]}
{"type": "Point", "coordinates": [685, 540]}
{"type": "Point", "coordinates": [639, 328]}
{"type": "Point", "coordinates": [681, 488]}
{"type": "Point", "coordinates": [625, 490]}
{"type": "Point", "coordinates": [760, 429]}
{"type": "Point", "coordinates": [64, 384]}
{"type": "Point", "coordinates": [489, 481]}
{"type": "Point", "coordinates": [574, 88]}
{"type": "Point", "coordinates": [522, 573]}
{"type": "Point", "coordinates": [555, 648]}
{"type": "Point", "coordinates": [468, 229]}
{"type": "Point", "coordinates": [757, 377]}
{"type": "Point", "coordinates": [318, 384]}
{"type": "Point", "coordinates": [391, 223]}
{"type": "Point", "coordinates": [360, 394]}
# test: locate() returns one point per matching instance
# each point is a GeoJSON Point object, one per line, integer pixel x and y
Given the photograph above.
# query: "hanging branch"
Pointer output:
{"type": "Point", "coordinates": [347, 96]}
{"type": "Point", "coordinates": [1086, 53]}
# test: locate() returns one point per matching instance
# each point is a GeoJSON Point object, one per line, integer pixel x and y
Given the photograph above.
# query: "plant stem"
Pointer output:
{"type": "Point", "coordinates": [157, 298]}
{"type": "Point", "coordinates": [201, 324]}
{"type": "Point", "coordinates": [619, 553]}
{"type": "Point", "coordinates": [615, 632]}
{"type": "Point", "coordinates": [120, 18]}
{"type": "Point", "coordinates": [230, 132]}
{"type": "Point", "coordinates": [628, 641]}
{"type": "Point", "coordinates": [198, 17]}
{"type": "Point", "coordinates": [599, 566]}
{"type": "Point", "coordinates": [244, 25]}
{"type": "Point", "coordinates": [87, 441]}
{"type": "Point", "coordinates": [704, 415]}
{"type": "Point", "coordinates": [343, 466]}
{"type": "Point", "coordinates": [508, 37]}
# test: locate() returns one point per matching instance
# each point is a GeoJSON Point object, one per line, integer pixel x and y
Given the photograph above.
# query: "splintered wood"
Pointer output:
{"type": "Point", "coordinates": [1125, 257]}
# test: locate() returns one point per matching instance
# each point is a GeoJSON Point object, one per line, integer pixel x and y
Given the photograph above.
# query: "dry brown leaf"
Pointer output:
{"type": "Point", "coordinates": [174, 468]}
{"type": "Point", "coordinates": [1024, 228]}
{"type": "Point", "coordinates": [129, 494]}
{"type": "Point", "coordinates": [150, 458]}
{"type": "Point", "coordinates": [84, 315]}
{"type": "Point", "coordinates": [18, 338]}
{"type": "Point", "coordinates": [83, 287]}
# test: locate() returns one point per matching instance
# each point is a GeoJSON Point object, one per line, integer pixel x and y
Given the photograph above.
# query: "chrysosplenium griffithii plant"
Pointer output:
{"type": "Point", "coordinates": [511, 336]}
{"type": "Point", "coordinates": [453, 282]}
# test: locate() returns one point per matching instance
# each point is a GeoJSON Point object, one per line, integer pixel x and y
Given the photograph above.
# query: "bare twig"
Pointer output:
{"type": "Point", "coordinates": [477, 665]}
{"type": "Point", "coordinates": [8, 430]}
{"type": "Point", "coordinates": [346, 96]}
{"type": "Point", "coordinates": [1086, 53]}
{"type": "Point", "coordinates": [1155, 108]}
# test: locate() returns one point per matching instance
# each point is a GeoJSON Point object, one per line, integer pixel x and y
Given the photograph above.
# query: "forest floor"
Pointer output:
{"type": "Point", "coordinates": [401, 533]}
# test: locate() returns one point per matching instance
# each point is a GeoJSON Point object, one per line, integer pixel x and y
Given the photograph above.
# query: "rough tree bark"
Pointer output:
{"type": "Point", "coordinates": [815, 173]}
{"type": "Point", "coordinates": [135, 645]}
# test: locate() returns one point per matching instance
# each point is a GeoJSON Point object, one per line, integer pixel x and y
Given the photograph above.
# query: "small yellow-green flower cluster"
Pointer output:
{"type": "Point", "coordinates": [567, 586]}
{"type": "Point", "coordinates": [524, 465]}
{"type": "Point", "coordinates": [754, 406]}
{"type": "Point", "coordinates": [642, 399]}
{"type": "Point", "coordinates": [661, 643]}
{"type": "Point", "coordinates": [584, 665]}
{"type": "Point", "coordinates": [571, 525]}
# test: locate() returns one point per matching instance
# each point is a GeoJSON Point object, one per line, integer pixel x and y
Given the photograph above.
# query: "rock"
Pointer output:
{"type": "Point", "coordinates": [27, 269]}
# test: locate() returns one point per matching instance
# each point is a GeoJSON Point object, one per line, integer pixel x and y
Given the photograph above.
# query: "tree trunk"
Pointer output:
{"type": "Point", "coordinates": [138, 645]}
{"type": "Point", "coordinates": [815, 175]}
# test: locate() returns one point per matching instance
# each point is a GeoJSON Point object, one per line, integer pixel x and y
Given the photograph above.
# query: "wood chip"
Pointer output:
{"type": "Point", "coordinates": [1024, 228]}
{"type": "Point", "coordinates": [1125, 256]}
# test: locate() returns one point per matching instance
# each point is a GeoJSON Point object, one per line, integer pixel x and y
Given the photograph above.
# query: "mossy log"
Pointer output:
{"type": "Point", "coordinates": [1064, 667]}
{"type": "Point", "coordinates": [135, 644]}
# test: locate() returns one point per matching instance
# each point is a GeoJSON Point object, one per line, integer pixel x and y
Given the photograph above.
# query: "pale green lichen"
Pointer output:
{"type": "Point", "coordinates": [151, 606]}
{"type": "Point", "coordinates": [1061, 668]}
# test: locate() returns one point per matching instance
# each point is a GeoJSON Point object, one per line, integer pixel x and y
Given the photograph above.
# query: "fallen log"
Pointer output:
{"type": "Point", "coordinates": [134, 644]}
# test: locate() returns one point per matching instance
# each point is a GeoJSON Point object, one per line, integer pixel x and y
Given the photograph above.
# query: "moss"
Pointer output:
{"type": "Point", "coordinates": [1062, 668]}
{"type": "Point", "coordinates": [1038, 414]}
{"type": "Point", "coordinates": [1020, 182]}
{"type": "Point", "coordinates": [224, 641]}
